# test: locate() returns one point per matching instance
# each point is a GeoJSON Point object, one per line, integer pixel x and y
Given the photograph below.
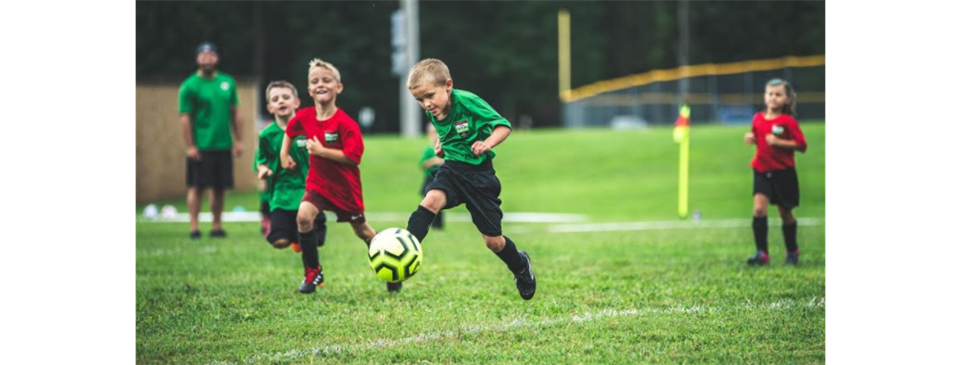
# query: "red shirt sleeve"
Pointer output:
{"type": "Point", "coordinates": [794, 128]}
{"type": "Point", "coordinates": [352, 140]}
{"type": "Point", "coordinates": [294, 128]}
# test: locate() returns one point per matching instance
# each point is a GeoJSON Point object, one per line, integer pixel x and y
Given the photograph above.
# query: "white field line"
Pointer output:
{"type": "Point", "coordinates": [294, 354]}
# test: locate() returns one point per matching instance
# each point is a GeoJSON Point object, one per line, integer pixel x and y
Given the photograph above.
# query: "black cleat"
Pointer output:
{"type": "Point", "coordinates": [793, 258]}
{"type": "Point", "coordinates": [526, 281]}
{"type": "Point", "coordinates": [394, 287]}
{"type": "Point", "coordinates": [219, 233]}
{"type": "Point", "coordinates": [194, 235]}
{"type": "Point", "coordinates": [759, 258]}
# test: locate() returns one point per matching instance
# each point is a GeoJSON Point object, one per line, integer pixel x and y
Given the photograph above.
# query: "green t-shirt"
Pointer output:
{"type": "Point", "coordinates": [470, 120]}
{"type": "Point", "coordinates": [284, 186]}
{"type": "Point", "coordinates": [208, 101]}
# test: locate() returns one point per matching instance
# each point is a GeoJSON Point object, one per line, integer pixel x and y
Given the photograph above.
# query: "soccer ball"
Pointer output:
{"type": "Point", "coordinates": [395, 255]}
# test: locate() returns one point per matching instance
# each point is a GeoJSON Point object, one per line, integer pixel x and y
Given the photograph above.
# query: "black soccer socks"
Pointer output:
{"type": "Point", "coordinates": [510, 256]}
{"type": "Point", "coordinates": [419, 223]}
{"type": "Point", "coordinates": [760, 233]}
{"type": "Point", "coordinates": [308, 245]}
{"type": "Point", "coordinates": [790, 236]}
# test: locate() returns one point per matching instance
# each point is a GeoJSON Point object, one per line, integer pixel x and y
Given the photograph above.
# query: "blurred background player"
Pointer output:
{"type": "Point", "coordinates": [430, 163]}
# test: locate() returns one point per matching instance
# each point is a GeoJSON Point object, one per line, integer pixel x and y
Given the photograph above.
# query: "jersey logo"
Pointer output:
{"type": "Point", "coordinates": [777, 130]}
{"type": "Point", "coordinates": [331, 137]}
{"type": "Point", "coordinates": [462, 128]}
{"type": "Point", "coordinates": [225, 86]}
{"type": "Point", "coordinates": [301, 142]}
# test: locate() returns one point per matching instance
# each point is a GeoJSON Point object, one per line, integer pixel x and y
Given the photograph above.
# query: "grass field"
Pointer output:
{"type": "Point", "coordinates": [660, 296]}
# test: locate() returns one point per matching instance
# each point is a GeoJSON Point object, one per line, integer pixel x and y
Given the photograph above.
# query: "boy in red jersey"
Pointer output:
{"type": "Point", "coordinates": [333, 182]}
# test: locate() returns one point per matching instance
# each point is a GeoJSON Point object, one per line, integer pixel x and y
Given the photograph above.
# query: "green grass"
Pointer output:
{"type": "Point", "coordinates": [656, 296]}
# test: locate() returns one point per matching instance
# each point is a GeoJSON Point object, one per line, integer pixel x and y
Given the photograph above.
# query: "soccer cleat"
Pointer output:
{"type": "Point", "coordinates": [194, 235]}
{"type": "Point", "coordinates": [219, 233]}
{"type": "Point", "coordinates": [312, 279]}
{"type": "Point", "coordinates": [295, 247]}
{"type": "Point", "coordinates": [526, 281]}
{"type": "Point", "coordinates": [793, 258]}
{"type": "Point", "coordinates": [394, 287]}
{"type": "Point", "coordinates": [759, 258]}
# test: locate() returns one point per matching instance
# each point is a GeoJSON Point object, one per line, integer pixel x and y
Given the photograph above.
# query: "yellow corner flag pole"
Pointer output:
{"type": "Point", "coordinates": [681, 135]}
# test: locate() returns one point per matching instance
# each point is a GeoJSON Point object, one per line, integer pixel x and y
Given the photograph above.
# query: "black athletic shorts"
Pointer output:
{"type": "Point", "coordinates": [477, 187]}
{"type": "Point", "coordinates": [213, 170]}
{"type": "Point", "coordinates": [781, 187]}
{"type": "Point", "coordinates": [283, 224]}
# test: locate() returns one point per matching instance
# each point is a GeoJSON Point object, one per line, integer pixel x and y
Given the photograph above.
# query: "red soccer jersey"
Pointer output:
{"type": "Point", "coordinates": [770, 158]}
{"type": "Point", "coordinates": [339, 183]}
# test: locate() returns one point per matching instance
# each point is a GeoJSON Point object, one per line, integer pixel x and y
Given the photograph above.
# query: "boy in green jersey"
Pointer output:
{"type": "Point", "coordinates": [284, 187]}
{"type": "Point", "coordinates": [468, 129]}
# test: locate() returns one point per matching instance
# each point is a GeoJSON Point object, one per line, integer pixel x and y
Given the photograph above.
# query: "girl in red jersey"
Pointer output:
{"type": "Point", "coordinates": [777, 135]}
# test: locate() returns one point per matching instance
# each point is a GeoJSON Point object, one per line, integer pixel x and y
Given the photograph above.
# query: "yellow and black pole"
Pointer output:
{"type": "Point", "coordinates": [681, 135]}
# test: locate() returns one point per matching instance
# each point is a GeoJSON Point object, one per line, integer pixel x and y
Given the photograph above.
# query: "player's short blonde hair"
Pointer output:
{"type": "Point", "coordinates": [428, 70]}
{"type": "Point", "coordinates": [316, 62]}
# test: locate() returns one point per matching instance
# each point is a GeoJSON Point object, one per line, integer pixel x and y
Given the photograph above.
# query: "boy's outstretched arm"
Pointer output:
{"type": "Point", "coordinates": [499, 134]}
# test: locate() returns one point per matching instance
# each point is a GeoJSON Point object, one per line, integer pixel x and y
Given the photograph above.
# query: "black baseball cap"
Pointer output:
{"type": "Point", "coordinates": [206, 47]}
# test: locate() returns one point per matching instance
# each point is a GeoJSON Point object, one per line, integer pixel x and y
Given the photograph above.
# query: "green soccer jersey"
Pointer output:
{"type": "Point", "coordinates": [470, 120]}
{"type": "Point", "coordinates": [208, 101]}
{"type": "Point", "coordinates": [285, 186]}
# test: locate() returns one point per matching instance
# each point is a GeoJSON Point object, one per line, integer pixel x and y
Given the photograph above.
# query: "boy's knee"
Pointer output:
{"type": "Point", "coordinates": [434, 201]}
{"type": "Point", "coordinates": [759, 212]}
{"type": "Point", "coordinates": [787, 216]}
{"type": "Point", "coordinates": [495, 244]}
{"type": "Point", "coordinates": [280, 243]}
{"type": "Point", "coordinates": [304, 222]}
